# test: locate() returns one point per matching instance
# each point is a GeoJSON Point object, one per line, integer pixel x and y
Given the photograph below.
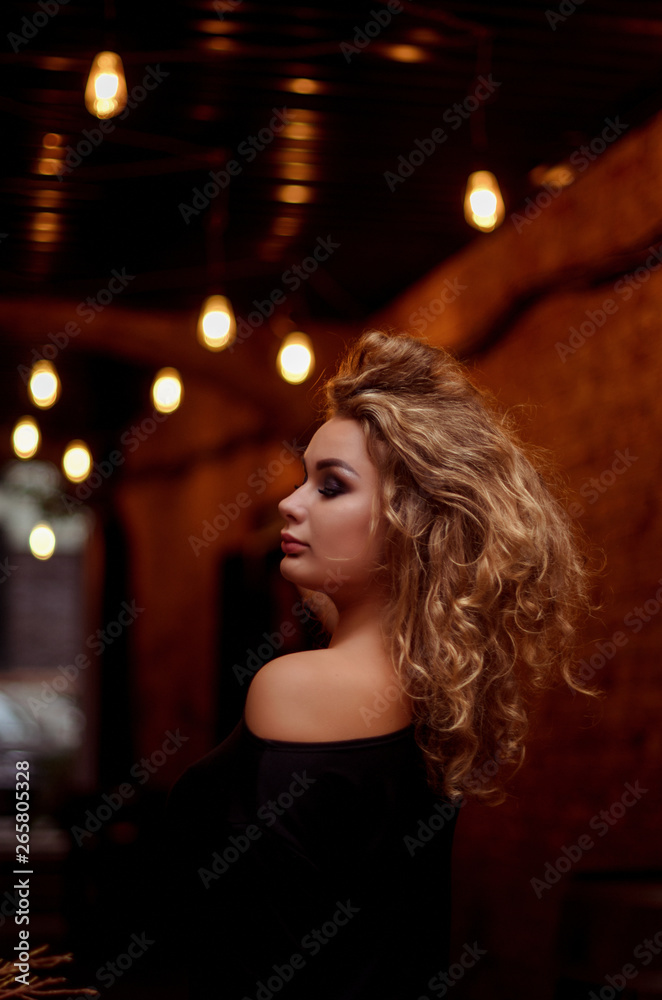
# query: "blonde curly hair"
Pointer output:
{"type": "Point", "coordinates": [486, 574]}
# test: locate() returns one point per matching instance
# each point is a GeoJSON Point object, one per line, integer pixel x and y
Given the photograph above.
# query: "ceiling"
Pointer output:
{"type": "Point", "coordinates": [361, 86]}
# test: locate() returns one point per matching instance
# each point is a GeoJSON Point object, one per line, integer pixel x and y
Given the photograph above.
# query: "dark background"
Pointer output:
{"type": "Point", "coordinates": [562, 78]}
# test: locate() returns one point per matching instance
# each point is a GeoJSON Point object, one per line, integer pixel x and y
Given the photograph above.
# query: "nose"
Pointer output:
{"type": "Point", "coordinates": [289, 507]}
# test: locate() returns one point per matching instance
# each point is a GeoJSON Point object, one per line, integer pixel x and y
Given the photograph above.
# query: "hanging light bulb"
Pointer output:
{"type": "Point", "coordinates": [44, 384]}
{"type": "Point", "coordinates": [42, 541]}
{"type": "Point", "coordinates": [105, 92]}
{"type": "Point", "coordinates": [296, 358]}
{"type": "Point", "coordinates": [167, 390]}
{"type": "Point", "coordinates": [26, 437]}
{"type": "Point", "coordinates": [76, 461]}
{"type": "Point", "coordinates": [483, 204]}
{"type": "Point", "coordinates": [217, 326]}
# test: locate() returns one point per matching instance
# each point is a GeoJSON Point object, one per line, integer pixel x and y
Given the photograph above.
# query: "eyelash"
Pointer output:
{"type": "Point", "coordinates": [327, 491]}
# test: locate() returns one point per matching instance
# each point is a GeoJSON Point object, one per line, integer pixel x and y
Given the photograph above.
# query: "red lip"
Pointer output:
{"type": "Point", "coordinates": [290, 544]}
{"type": "Point", "coordinates": [290, 538]}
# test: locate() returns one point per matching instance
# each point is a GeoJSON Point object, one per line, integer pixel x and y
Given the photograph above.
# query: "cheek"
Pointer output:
{"type": "Point", "coordinates": [345, 530]}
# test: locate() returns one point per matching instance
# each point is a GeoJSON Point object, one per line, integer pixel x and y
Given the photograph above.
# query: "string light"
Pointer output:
{"type": "Point", "coordinates": [44, 384]}
{"type": "Point", "coordinates": [26, 437]}
{"type": "Point", "coordinates": [76, 461]}
{"type": "Point", "coordinates": [105, 92]}
{"type": "Point", "coordinates": [42, 541]}
{"type": "Point", "coordinates": [296, 358]}
{"type": "Point", "coordinates": [559, 176]}
{"type": "Point", "coordinates": [216, 326]}
{"type": "Point", "coordinates": [167, 390]}
{"type": "Point", "coordinates": [483, 203]}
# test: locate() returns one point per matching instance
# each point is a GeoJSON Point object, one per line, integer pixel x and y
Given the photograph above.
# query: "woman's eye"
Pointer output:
{"type": "Point", "coordinates": [331, 489]}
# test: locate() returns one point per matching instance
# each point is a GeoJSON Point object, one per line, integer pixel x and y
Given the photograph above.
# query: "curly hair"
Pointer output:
{"type": "Point", "coordinates": [487, 579]}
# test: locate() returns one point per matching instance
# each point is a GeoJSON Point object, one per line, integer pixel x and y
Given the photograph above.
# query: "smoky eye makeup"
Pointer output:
{"type": "Point", "coordinates": [332, 485]}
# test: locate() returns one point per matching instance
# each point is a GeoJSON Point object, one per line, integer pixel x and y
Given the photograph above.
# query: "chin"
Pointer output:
{"type": "Point", "coordinates": [288, 565]}
{"type": "Point", "coordinates": [299, 575]}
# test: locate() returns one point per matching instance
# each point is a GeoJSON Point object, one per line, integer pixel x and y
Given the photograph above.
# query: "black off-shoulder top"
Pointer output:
{"type": "Point", "coordinates": [310, 870]}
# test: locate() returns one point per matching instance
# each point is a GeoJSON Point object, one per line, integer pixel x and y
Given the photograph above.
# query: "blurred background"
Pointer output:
{"type": "Point", "coordinates": [312, 169]}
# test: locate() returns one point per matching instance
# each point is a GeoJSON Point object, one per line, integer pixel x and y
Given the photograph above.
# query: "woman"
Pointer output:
{"type": "Point", "coordinates": [314, 843]}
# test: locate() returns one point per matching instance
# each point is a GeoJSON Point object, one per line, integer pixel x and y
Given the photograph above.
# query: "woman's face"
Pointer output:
{"type": "Point", "coordinates": [330, 512]}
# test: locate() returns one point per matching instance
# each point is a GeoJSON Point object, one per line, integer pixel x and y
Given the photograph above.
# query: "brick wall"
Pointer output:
{"type": "Point", "coordinates": [599, 410]}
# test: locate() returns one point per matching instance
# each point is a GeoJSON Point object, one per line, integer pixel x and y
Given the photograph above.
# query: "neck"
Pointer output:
{"type": "Point", "coordinates": [358, 627]}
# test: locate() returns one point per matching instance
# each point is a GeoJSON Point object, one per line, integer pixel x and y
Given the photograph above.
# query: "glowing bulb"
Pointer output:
{"type": "Point", "coordinates": [483, 204]}
{"type": "Point", "coordinates": [44, 384]}
{"type": "Point", "coordinates": [405, 53]}
{"type": "Point", "coordinates": [296, 359]}
{"type": "Point", "coordinates": [76, 461]}
{"type": "Point", "coordinates": [106, 86]}
{"type": "Point", "coordinates": [294, 194]}
{"type": "Point", "coordinates": [302, 85]}
{"type": "Point", "coordinates": [105, 92]}
{"type": "Point", "coordinates": [557, 177]}
{"type": "Point", "coordinates": [26, 437]}
{"type": "Point", "coordinates": [42, 541]}
{"type": "Point", "coordinates": [167, 390]}
{"type": "Point", "coordinates": [216, 326]}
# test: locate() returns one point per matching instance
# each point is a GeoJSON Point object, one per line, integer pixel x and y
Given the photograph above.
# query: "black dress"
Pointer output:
{"type": "Point", "coordinates": [310, 870]}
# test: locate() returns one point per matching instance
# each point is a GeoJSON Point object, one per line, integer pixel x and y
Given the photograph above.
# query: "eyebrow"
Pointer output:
{"type": "Point", "coordinates": [326, 463]}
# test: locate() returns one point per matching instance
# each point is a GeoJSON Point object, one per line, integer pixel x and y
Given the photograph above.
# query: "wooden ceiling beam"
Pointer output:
{"type": "Point", "coordinates": [168, 338]}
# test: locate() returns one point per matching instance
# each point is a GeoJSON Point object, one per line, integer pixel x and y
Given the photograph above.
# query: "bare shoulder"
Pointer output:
{"type": "Point", "coordinates": [314, 696]}
{"type": "Point", "coordinates": [282, 698]}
